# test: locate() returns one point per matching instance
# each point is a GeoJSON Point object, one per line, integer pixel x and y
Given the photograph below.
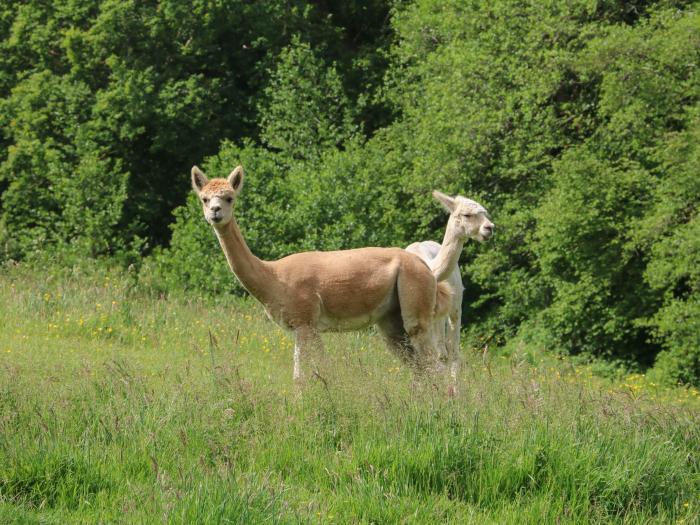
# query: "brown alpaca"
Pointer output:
{"type": "Point", "coordinates": [313, 292]}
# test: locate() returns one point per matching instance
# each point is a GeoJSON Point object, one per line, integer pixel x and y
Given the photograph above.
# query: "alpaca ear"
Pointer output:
{"type": "Point", "coordinates": [447, 201]}
{"type": "Point", "coordinates": [199, 179]}
{"type": "Point", "coordinates": [235, 179]}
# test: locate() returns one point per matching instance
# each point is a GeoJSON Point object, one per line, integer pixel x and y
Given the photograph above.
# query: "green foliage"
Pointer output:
{"type": "Point", "coordinates": [556, 120]}
{"type": "Point", "coordinates": [585, 259]}
{"type": "Point", "coordinates": [355, 197]}
{"type": "Point", "coordinates": [147, 88]}
{"type": "Point", "coordinates": [673, 231]}
{"type": "Point", "coordinates": [574, 123]}
{"type": "Point", "coordinates": [306, 110]}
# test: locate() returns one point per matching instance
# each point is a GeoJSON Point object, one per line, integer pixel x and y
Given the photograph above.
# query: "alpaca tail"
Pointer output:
{"type": "Point", "coordinates": [443, 299]}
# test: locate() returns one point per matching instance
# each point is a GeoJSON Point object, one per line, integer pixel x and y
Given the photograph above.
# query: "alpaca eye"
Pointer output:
{"type": "Point", "coordinates": [205, 200]}
{"type": "Point", "coordinates": [229, 199]}
{"type": "Point", "coordinates": [467, 215]}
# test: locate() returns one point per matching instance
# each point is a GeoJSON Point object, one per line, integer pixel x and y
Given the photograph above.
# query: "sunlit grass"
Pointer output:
{"type": "Point", "coordinates": [118, 405]}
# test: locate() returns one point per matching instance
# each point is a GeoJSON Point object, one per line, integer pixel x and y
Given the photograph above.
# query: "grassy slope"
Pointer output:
{"type": "Point", "coordinates": [116, 406]}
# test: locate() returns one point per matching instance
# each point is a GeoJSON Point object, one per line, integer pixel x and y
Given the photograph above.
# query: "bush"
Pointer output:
{"type": "Point", "coordinates": [582, 243]}
{"type": "Point", "coordinates": [672, 230]}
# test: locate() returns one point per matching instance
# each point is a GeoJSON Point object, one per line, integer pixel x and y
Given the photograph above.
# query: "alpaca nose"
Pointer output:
{"type": "Point", "coordinates": [215, 208]}
{"type": "Point", "coordinates": [488, 228]}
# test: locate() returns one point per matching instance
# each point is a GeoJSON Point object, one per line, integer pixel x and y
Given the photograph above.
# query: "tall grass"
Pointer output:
{"type": "Point", "coordinates": [120, 406]}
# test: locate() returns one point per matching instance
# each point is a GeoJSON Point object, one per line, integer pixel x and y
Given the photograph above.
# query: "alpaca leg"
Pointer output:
{"type": "Point", "coordinates": [441, 334]}
{"type": "Point", "coordinates": [297, 361]}
{"type": "Point", "coordinates": [308, 352]}
{"type": "Point", "coordinates": [425, 357]}
{"type": "Point", "coordinates": [396, 339]}
{"type": "Point", "coordinates": [442, 331]}
{"type": "Point", "coordinates": [422, 340]}
{"type": "Point", "coordinates": [417, 295]}
{"type": "Point", "coordinates": [454, 357]}
{"type": "Point", "coordinates": [409, 349]}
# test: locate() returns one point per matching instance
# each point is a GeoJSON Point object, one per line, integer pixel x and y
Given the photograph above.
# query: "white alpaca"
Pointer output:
{"type": "Point", "coordinates": [468, 220]}
{"type": "Point", "coordinates": [313, 292]}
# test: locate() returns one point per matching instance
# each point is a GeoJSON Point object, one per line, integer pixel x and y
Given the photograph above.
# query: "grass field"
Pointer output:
{"type": "Point", "coordinates": [118, 406]}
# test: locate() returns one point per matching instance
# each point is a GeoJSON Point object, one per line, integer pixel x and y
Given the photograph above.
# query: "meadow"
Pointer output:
{"type": "Point", "coordinates": [119, 405]}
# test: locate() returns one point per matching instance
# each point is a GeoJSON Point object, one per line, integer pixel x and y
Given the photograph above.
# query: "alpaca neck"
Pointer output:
{"type": "Point", "coordinates": [447, 258]}
{"type": "Point", "coordinates": [253, 273]}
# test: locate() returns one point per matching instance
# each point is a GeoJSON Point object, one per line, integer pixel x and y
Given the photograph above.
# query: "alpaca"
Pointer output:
{"type": "Point", "coordinates": [313, 292]}
{"type": "Point", "coordinates": [468, 220]}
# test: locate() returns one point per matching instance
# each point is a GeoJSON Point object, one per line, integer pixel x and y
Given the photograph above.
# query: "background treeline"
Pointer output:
{"type": "Point", "coordinates": [576, 123]}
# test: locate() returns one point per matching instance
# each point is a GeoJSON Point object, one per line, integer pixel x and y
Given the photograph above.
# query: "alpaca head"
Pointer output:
{"type": "Point", "coordinates": [217, 195]}
{"type": "Point", "coordinates": [468, 218]}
